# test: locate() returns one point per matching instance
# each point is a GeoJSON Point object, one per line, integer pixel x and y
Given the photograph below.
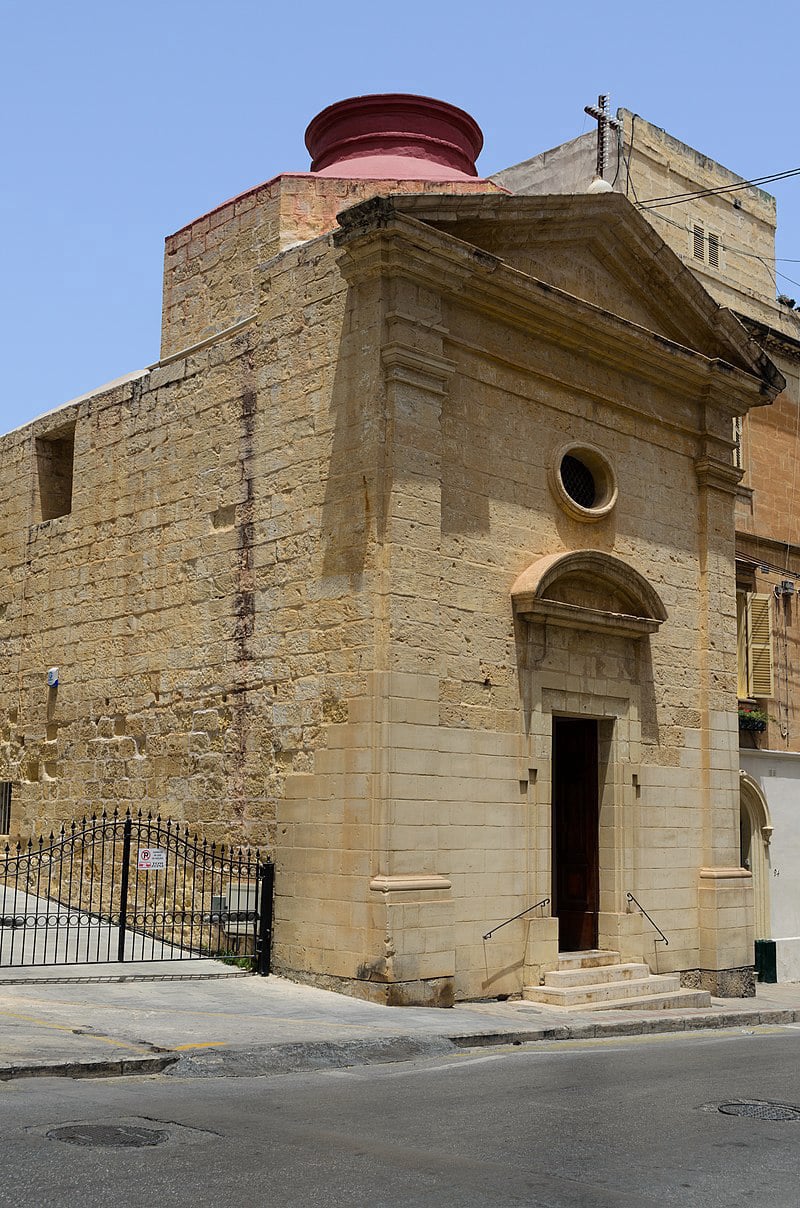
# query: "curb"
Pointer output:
{"type": "Point", "coordinates": [118, 977]}
{"type": "Point", "coordinates": [301, 1056]}
{"type": "Point", "coordinates": [89, 1069]}
{"type": "Point", "coordinates": [631, 1027]}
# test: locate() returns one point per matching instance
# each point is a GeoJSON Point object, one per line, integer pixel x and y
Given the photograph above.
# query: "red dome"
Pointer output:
{"type": "Point", "coordinates": [394, 136]}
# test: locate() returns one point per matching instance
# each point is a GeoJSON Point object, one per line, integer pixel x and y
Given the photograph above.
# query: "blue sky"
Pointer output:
{"type": "Point", "coordinates": [122, 122]}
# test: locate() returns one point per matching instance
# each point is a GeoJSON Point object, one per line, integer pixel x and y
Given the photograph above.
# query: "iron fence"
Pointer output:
{"type": "Point", "coordinates": [133, 888]}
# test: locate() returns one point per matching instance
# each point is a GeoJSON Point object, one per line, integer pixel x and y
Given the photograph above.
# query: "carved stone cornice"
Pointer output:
{"type": "Point", "coordinates": [771, 339]}
{"type": "Point", "coordinates": [425, 370]}
{"type": "Point", "coordinates": [718, 475]}
{"type": "Point", "coordinates": [377, 239]}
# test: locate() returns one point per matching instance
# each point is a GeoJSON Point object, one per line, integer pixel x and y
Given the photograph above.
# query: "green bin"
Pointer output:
{"type": "Point", "coordinates": [766, 963]}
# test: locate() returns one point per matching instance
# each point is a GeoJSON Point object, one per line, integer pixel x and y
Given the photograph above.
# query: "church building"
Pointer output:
{"type": "Point", "coordinates": [413, 558]}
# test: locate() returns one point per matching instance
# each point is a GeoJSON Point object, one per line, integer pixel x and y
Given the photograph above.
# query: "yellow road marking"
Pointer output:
{"type": "Point", "coordinates": [60, 1027]}
{"type": "Point", "coordinates": [208, 1044]}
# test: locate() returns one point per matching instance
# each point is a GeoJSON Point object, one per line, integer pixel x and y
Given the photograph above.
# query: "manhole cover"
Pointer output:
{"type": "Point", "coordinates": [119, 1136]}
{"type": "Point", "coordinates": [757, 1110]}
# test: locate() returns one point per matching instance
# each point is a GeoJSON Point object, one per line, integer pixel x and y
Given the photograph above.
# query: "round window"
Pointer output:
{"type": "Point", "coordinates": [583, 482]}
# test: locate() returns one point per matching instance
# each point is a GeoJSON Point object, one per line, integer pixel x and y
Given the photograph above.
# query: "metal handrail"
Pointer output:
{"type": "Point", "coordinates": [527, 910]}
{"type": "Point", "coordinates": [663, 939]}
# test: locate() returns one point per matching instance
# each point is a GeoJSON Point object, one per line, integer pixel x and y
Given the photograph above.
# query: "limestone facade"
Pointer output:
{"type": "Point", "coordinates": [727, 239]}
{"type": "Point", "coordinates": [318, 581]}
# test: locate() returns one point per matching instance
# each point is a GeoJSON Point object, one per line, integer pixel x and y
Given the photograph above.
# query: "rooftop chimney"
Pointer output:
{"type": "Point", "coordinates": [394, 136]}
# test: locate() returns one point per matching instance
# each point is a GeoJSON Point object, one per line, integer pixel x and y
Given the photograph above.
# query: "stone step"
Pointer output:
{"type": "Point", "coordinates": [600, 992]}
{"type": "Point", "coordinates": [591, 959]}
{"type": "Point", "coordinates": [592, 976]}
{"type": "Point", "coordinates": [686, 999]}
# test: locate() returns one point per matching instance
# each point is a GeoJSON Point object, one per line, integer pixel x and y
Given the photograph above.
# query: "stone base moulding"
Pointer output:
{"type": "Point", "coordinates": [408, 883]}
{"type": "Point", "coordinates": [721, 983]}
{"type": "Point", "coordinates": [416, 964]}
{"type": "Point", "coordinates": [725, 898]}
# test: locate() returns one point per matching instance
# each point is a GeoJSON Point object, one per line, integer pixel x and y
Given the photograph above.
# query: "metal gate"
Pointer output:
{"type": "Point", "coordinates": [133, 888]}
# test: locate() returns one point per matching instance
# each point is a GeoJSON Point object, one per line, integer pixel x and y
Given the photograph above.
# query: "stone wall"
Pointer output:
{"type": "Point", "coordinates": [179, 596]}
{"type": "Point", "coordinates": [211, 266]}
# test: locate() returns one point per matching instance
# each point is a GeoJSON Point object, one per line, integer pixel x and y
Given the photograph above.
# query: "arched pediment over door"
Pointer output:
{"type": "Point", "coordinates": [590, 590]}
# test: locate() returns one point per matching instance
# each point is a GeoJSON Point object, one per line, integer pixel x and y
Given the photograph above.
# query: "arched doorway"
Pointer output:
{"type": "Point", "coordinates": [586, 669]}
{"type": "Point", "coordinates": [755, 832]}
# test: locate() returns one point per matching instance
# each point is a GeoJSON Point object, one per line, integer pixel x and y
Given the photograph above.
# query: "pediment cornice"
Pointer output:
{"type": "Point", "coordinates": [376, 239]}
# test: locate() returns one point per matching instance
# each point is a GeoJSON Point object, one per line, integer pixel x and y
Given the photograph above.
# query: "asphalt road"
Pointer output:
{"type": "Point", "coordinates": [583, 1124]}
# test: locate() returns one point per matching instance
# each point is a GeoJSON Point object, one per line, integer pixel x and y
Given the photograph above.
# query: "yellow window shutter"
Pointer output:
{"type": "Point", "coordinates": [759, 643]}
{"type": "Point", "coordinates": [742, 662]}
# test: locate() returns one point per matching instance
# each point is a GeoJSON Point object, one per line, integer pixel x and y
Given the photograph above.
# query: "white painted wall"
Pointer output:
{"type": "Point", "coordinates": [778, 775]}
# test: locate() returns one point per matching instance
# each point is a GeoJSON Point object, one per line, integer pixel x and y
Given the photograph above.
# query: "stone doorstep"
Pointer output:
{"type": "Point", "coordinates": [561, 978]}
{"type": "Point", "coordinates": [604, 991]}
{"type": "Point", "coordinates": [598, 981]}
{"type": "Point", "coordinates": [687, 1000]}
{"type": "Point", "coordinates": [590, 959]}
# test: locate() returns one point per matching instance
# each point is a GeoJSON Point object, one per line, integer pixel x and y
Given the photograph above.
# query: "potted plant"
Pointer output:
{"type": "Point", "coordinates": [752, 719]}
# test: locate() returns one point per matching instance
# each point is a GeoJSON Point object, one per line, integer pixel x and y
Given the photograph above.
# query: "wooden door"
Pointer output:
{"type": "Point", "coordinates": [575, 832]}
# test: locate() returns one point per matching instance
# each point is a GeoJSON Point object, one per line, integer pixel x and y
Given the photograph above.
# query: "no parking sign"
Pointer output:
{"type": "Point", "coordinates": [151, 859]}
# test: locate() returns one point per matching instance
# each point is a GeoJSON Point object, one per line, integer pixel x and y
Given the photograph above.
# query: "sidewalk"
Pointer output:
{"type": "Point", "coordinates": [239, 1025]}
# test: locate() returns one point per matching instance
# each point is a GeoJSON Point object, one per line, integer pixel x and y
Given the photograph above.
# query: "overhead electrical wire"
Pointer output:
{"type": "Point", "coordinates": [672, 199]}
{"type": "Point", "coordinates": [654, 203]}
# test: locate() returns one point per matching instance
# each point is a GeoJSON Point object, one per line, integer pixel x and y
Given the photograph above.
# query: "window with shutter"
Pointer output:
{"type": "Point", "coordinates": [754, 645]}
{"type": "Point", "coordinates": [755, 676]}
{"type": "Point", "coordinates": [759, 644]}
{"type": "Point", "coordinates": [705, 245]}
{"type": "Point", "coordinates": [713, 250]}
{"type": "Point", "coordinates": [699, 242]}
{"type": "Point", "coordinates": [741, 645]}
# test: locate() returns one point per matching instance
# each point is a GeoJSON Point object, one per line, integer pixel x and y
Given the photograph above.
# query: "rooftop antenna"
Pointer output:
{"type": "Point", "coordinates": [605, 122]}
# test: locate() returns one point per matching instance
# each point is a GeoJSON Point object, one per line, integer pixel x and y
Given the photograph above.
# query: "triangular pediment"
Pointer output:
{"type": "Point", "coordinates": [600, 249]}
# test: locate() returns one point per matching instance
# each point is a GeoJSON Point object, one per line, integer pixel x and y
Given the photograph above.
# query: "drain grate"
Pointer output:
{"type": "Point", "coordinates": [756, 1109]}
{"type": "Point", "coordinates": [109, 1136]}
